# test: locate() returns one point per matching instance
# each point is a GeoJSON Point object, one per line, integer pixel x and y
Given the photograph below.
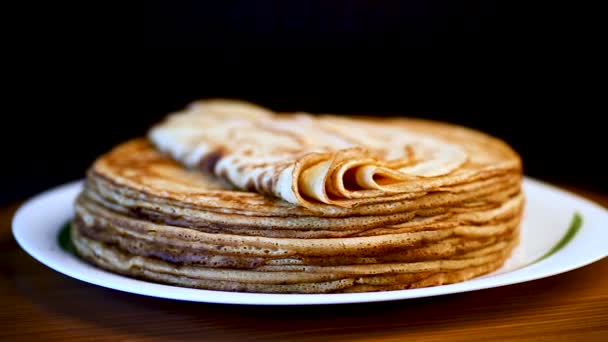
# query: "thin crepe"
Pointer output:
{"type": "Point", "coordinates": [313, 161]}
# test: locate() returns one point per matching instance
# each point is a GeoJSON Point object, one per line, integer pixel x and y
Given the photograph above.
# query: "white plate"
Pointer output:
{"type": "Point", "coordinates": [547, 218]}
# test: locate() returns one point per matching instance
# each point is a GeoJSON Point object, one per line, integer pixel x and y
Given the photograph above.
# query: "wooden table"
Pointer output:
{"type": "Point", "coordinates": [37, 303]}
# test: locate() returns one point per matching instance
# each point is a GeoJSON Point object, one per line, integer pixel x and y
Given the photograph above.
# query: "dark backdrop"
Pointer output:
{"type": "Point", "coordinates": [86, 78]}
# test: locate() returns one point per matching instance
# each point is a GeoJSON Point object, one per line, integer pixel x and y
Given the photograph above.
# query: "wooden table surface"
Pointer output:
{"type": "Point", "coordinates": [39, 304]}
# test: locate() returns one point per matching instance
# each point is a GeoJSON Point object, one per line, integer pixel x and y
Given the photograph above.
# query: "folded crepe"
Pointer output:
{"type": "Point", "coordinates": [316, 161]}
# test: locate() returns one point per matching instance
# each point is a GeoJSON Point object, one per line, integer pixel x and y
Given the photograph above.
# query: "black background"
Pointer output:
{"type": "Point", "coordinates": [83, 78]}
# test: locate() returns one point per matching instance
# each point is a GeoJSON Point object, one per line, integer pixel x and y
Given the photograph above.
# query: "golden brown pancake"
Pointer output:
{"type": "Point", "coordinates": [145, 215]}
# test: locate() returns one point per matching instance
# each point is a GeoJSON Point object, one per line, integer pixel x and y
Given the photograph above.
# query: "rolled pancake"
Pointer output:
{"type": "Point", "coordinates": [144, 215]}
{"type": "Point", "coordinates": [314, 160]}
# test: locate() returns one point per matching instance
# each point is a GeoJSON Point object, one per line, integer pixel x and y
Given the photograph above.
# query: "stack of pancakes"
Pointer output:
{"type": "Point", "coordinates": [230, 196]}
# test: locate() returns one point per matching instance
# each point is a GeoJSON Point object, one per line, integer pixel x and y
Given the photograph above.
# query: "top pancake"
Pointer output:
{"type": "Point", "coordinates": [328, 163]}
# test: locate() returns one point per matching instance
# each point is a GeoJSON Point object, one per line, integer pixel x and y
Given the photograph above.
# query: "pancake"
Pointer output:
{"type": "Point", "coordinates": [394, 277]}
{"type": "Point", "coordinates": [314, 160]}
{"type": "Point", "coordinates": [145, 215]}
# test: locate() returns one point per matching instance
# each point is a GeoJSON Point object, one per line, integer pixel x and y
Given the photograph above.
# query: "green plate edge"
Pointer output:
{"type": "Point", "coordinates": [64, 240]}
{"type": "Point", "coordinates": [575, 226]}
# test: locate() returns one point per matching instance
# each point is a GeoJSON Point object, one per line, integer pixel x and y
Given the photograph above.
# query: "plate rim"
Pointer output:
{"type": "Point", "coordinates": [100, 277]}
